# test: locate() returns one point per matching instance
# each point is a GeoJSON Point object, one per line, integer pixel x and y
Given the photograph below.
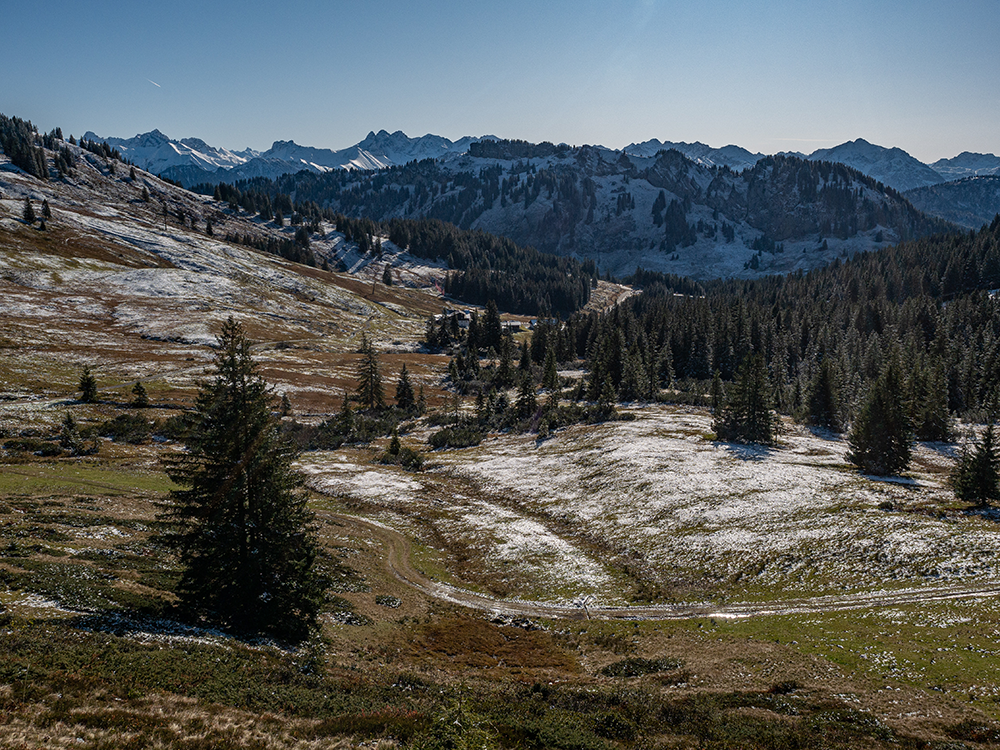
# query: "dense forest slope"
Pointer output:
{"type": "Point", "coordinates": [664, 212]}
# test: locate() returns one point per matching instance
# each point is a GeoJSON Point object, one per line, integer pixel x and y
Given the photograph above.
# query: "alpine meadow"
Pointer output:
{"type": "Point", "coordinates": [500, 441]}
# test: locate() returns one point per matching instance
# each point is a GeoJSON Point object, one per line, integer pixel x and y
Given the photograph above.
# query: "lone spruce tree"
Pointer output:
{"type": "Point", "coordinates": [881, 434]}
{"type": "Point", "coordinates": [370, 392]}
{"type": "Point", "coordinates": [239, 522]}
{"type": "Point", "coordinates": [88, 386]}
{"type": "Point", "coordinates": [822, 405]}
{"type": "Point", "coordinates": [405, 398]}
{"type": "Point", "coordinates": [746, 416]}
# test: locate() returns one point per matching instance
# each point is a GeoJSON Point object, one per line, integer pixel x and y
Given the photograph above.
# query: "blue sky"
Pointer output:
{"type": "Point", "coordinates": [788, 75]}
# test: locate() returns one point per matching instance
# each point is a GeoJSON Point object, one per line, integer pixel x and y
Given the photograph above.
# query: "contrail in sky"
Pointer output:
{"type": "Point", "coordinates": [155, 84]}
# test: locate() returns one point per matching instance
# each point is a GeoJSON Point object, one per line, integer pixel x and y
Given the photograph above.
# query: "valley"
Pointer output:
{"type": "Point", "coordinates": [634, 582]}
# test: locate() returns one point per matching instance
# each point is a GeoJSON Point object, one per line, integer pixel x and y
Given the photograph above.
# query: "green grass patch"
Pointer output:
{"type": "Point", "coordinates": [73, 475]}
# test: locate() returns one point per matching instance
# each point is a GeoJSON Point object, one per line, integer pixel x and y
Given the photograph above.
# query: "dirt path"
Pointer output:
{"type": "Point", "coordinates": [398, 562]}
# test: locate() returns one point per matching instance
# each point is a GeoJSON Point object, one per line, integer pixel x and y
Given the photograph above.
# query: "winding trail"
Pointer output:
{"type": "Point", "coordinates": [399, 564]}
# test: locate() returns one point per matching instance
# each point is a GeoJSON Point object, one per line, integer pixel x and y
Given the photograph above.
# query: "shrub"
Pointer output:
{"type": "Point", "coordinates": [459, 436]}
{"type": "Point", "coordinates": [127, 428]}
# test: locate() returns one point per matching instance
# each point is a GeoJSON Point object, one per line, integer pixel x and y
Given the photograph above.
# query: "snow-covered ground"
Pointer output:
{"type": "Point", "coordinates": [729, 520]}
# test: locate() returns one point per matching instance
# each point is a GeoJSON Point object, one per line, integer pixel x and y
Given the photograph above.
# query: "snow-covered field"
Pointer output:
{"type": "Point", "coordinates": [658, 494]}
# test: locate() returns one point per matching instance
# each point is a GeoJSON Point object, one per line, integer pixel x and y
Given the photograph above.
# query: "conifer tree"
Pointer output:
{"type": "Point", "coordinates": [69, 435]}
{"type": "Point", "coordinates": [240, 523]}
{"type": "Point", "coordinates": [370, 392]}
{"type": "Point", "coordinates": [881, 434]}
{"type": "Point", "coordinates": [524, 364]}
{"type": "Point", "coordinates": [405, 398]}
{"type": "Point", "coordinates": [823, 398]}
{"type": "Point", "coordinates": [492, 327]}
{"type": "Point", "coordinates": [634, 380]}
{"type": "Point", "coordinates": [746, 416]}
{"type": "Point", "coordinates": [550, 375]}
{"type": "Point", "coordinates": [976, 476]}
{"type": "Point", "coordinates": [46, 210]}
{"type": "Point", "coordinates": [607, 399]}
{"type": "Point", "coordinates": [717, 393]}
{"type": "Point", "coordinates": [527, 402]}
{"type": "Point", "coordinates": [88, 386]}
{"type": "Point", "coordinates": [931, 418]}
{"type": "Point", "coordinates": [29, 212]}
{"type": "Point", "coordinates": [505, 369]}
{"type": "Point", "coordinates": [140, 399]}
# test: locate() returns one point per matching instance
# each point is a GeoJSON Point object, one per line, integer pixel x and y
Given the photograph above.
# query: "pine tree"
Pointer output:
{"type": "Point", "coordinates": [524, 363]}
{"type": "Point", "coordinates": [527, 402]}
{"type": "Point", "coordinates": [240, 523]}
{"type": "Point", "coordinates": [932, 420]}
{"type": "Point", "coordinates": [550, 375]}
{"type": "Point", "coordinates": [88, 386]}
{"type": "Point", "coordinates": [405, 398]}
{"type": "Point", "coordinates": [370, 393]}
{"type": "Point", "coordinates": [881, 434]}
{"type": "Point", "coordinates": [69, 435]}
{"type": "Point", "coordinates": [286, 405]}
{"type": "Point", "coordinates": [46, 210]}
{"type": "Point", "coordinates": [492, 331]}
{"type": "Point", "coordinates": [717, 394]}
{"type": "Point", "coordinates": [29, 212]}
{"type": "Point", "coordinates": [823, 398]}
{"type": "Point", "coordinates": [976, 476]}
{"type": "Point", "coordinates": [140, 399]}
{"type": "Point", "coordinates": [505, 369]}
{"type": "Point", "coordinates": [746, 416]}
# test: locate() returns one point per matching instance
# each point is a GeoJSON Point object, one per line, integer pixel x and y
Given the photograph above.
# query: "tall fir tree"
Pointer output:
{"type": "Point", "coordinates": [880, 438]}
{"type": "Point", "coordinates": [527, 402]}
{"type": "Point", "coordinates": [550, 373]}
{"type": "Point", "coordinates": [88, 386]}
{"type": "Point", "coordinates": [823, 398]}
{"type": "Point", "coordinates": [492, 327]}
{"type": "Point", "coordinates": [140, 398]}
{"type": "Point", "coordinates": [931, 418]}
{"type": "Point", "coordinates": [405, 398]}
{"type": "Point", "coordinates": [747, 416]}
{"type": "Point", "coordinates": [370, 393]}
{"type": "Point", "coordinates": [239, 522]}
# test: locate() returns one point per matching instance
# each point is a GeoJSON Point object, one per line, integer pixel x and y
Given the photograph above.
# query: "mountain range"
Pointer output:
{"type": "Point", "coordinates": [686, 209]}
{"type": "Point", "coordinates": [191, 160]}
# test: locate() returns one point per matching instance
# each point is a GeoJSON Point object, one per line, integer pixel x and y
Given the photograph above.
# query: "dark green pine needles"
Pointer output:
{"type": "Point", "coordinates": [240, 522]}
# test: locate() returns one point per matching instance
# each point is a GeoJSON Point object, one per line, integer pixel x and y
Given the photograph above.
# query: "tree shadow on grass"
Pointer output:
{"type": "Point", "coordinates": [825, 433]}
{"type": "Point", "coordinates": [748, 451]}
{"type": "Point", "coordinates": [985, 512]}
{"type": "Point", "coordinates": [908, 483]}
{"type": "Point", "coordinates": [150, 628]}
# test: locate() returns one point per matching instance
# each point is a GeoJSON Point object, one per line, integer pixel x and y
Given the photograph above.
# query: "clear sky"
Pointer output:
{"type": "Point", "coordinates": [790, 75]}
